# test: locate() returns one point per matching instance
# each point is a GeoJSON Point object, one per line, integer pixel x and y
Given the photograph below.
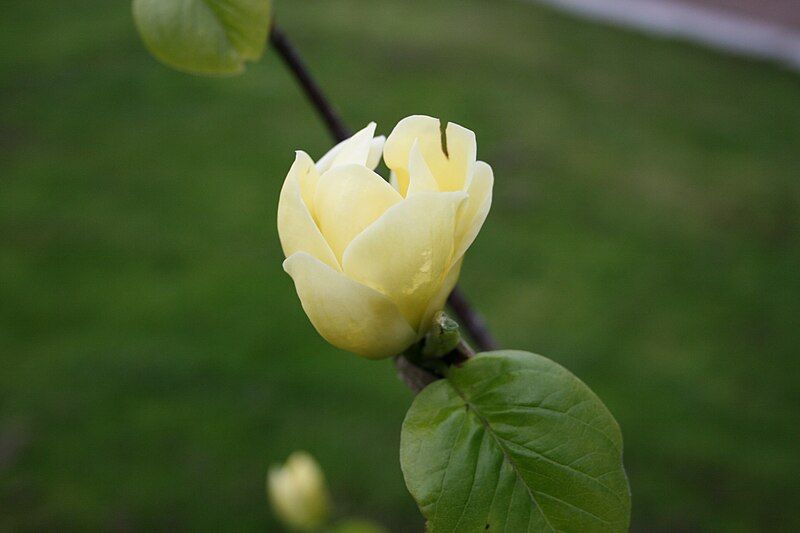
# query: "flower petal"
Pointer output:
{"type": "Point", "coordinates": [375, 152]}
{"type": "Point", "coordinates": [348, 199]}
{"type": "Point", "coordinates": [475, 209]}
{"type": "Point", "coordinates": [297, 229]}
{"type": "Point", "coordinates": [437, 303]}
{"type": "Point", "coordinates": [398, 145]}
{"type": "Point", "coordinates": [452, 170]}
{"type": "Point", "coordinates": [393, 181]}
{"type": "Point", "coordinates": [408, 251]}
{"type": "Point", "coordinates": [420, 178]}
{"type": "Point", "coordinates": [308, 177]}
{"type": "Point", "coordinates": [455, 174]}
{"type": "Point", "coordinates": [355, 150]}
{"type": "Point", "coordinates": [347, 314]}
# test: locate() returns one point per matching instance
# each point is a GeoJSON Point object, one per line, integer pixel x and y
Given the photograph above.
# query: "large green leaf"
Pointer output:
{"type": "Point", "coordinates": [204, 36]}
{"type": "Point", "coordinates": [511, 441]}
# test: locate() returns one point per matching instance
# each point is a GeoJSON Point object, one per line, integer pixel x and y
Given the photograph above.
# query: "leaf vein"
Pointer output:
{"type": "Point", "coordinates": [506, 454]}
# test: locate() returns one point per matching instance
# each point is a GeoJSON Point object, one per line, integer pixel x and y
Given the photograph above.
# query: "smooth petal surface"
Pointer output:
{"type": "Point", "coordinates": [357, 150]}
{"type": "Point", "coordinates": [455, 172]}
{"type": "Point", "coordinates": [297, 229]}
{"type": "Point", "coordinates": [375, 152]}
{"type": "Point", "coordinates": [407, 252]}
{"type": "Point", "coordinates": [475, 209]}
{"type": "Point", "coordinates": [346, 313]}
{"type": "Point", "coordinates": [348, 199]}
{"type": "Point", "coordinates": [420, 178]}
{"type": "Point", "coordinates": [438, 302]}
{"type": "Point", "coordinates": [308, 178]}
{"type": "Point", "coordinates": [452, 170]}
{"type": "Point", "coordinates": [398, 145]}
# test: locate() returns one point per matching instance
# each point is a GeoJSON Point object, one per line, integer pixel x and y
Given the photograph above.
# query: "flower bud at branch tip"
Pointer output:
{"type": "Point", "coordinates": [372, 261]}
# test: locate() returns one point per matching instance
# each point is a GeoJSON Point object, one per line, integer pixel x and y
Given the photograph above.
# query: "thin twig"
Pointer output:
{"type": "Point", "coordinates": [469, 319]}
{"type": "Point", "coordinates": [313, 91]}
{"type": "Point", "coordinates": [415, 377]}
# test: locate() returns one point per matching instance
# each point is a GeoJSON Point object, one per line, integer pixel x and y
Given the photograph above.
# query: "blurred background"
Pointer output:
{"type": "Point", "coordinates": [154, 358]}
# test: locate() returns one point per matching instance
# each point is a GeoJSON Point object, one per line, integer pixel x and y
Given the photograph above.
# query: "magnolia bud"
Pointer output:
{"type": "Point", "coordinates": [372, 261]}
{"type": "Point", "coordinates": [298, 493]}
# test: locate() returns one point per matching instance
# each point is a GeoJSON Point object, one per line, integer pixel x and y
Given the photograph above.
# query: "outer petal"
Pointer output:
{"type": "Point", "coordinates": [347, 314]}
{"type": "Point", "coordinates": [407, 252]}
{"type": "Point", "coordinates": [297, 229]}
{"type": "Point", "coordinates": [349, 199]}
{"type": "Point", "coordinates": [355, 150]}
{"type": "Point", "coordinates": [308, 177]}
{"type": "Point", "coordinates": [475, 210]}
{"type": "Point", "coordinates": [437, 303]}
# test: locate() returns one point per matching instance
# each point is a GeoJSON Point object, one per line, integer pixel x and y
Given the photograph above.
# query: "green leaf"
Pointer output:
{"type": "Point", "coordinates": [204, 36]}
{"type": "Point", "coordinates": [511, 441]}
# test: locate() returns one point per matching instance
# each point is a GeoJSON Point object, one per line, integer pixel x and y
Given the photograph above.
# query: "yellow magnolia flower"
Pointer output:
{"type": "Point", "coordinates": [298, 492]}
{"type": "Point", "coordinates": [372, 261]}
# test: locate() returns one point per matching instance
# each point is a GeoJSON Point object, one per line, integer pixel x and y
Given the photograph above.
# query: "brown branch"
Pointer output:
{"type": "Point", "coordinates": [469, 319]}
{"type": "Point", "coordinates": [297, 67]}
{"type": "Point", "coordinates": [415, 377]}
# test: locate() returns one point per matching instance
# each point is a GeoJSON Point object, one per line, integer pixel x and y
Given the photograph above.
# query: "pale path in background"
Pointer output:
{"type": "Point", "coordinates": [768, 29]}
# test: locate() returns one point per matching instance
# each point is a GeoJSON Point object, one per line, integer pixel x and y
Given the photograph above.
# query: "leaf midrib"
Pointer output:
{"type": "Point", "coordinates": [222, 25]}
{"type": "Point", "coordinates": [507, 456]}
{"type": "Point", "coordinates": [503, 450]}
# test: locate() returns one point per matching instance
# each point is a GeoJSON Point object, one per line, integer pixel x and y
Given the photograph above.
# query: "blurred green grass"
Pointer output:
{"type": "Point", "coordinates": [155, 359]}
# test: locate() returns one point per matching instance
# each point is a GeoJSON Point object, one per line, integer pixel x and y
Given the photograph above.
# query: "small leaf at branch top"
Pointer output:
{"type": "Point", "coordinates": [204, 36]}
{"type": "Point", "coordinates": [511, 441]}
